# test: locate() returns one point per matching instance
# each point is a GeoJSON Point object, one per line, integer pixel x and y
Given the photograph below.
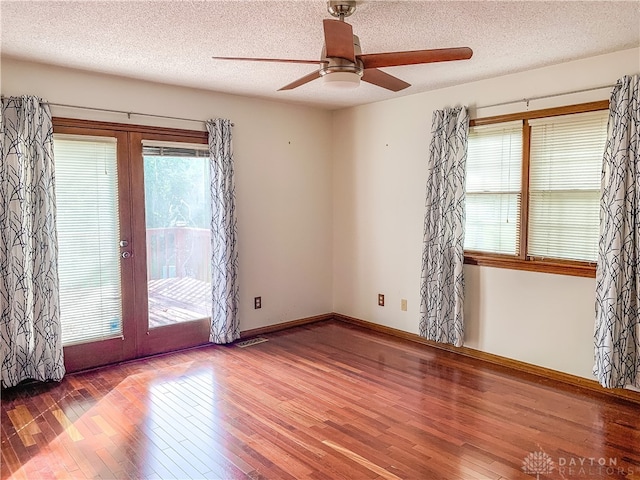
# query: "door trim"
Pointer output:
{"type": "Point", "coordinates": [137, 340]}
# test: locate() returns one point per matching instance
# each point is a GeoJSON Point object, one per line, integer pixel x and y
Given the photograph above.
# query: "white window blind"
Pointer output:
{"type": "Point", "coordinates": [174, 149]}
{"type": "Point", "coordinates": [88, 238]}
{"type": "Point", "coordinates": [564, 185]}
{"type": "Point", "coordinates": [493, 191]}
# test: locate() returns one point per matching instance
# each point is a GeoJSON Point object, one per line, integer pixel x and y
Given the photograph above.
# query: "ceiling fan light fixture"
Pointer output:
{"type": "Point", "coordinates": [342, 64]}
{"type": "Point", "coordinates": [341, 80]}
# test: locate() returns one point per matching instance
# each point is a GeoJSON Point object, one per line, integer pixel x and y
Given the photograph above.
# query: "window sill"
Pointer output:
{"type": "Point", "coordinates": [576, 269]}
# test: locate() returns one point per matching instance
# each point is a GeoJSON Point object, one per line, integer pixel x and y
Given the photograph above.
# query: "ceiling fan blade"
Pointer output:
{"type": "Point", "coordinates": [384, 80]}
{"type": "Point", "coordinates": [338, 40]}
{"type": "Point", "coordinates": [301, 81]}
{"type": "Point", "coordinates": [279, 60]}
{"type": "Point", "coordinates": [415, 57]}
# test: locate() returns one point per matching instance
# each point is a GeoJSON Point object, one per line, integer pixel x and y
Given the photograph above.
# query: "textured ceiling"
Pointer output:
{"type": "Point", "coordinates": [172, 42]}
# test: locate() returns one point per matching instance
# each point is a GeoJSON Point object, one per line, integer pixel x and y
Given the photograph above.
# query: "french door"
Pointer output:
{"type": "Point", "coordinates": [133, 236]}
{"type": "Point", "coordinates": [171, 195]}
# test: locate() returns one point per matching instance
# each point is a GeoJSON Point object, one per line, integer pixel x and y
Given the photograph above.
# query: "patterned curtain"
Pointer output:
{"type": "Point", "coordinates": [617, 331]}
{"type": "Point", "coordinates": [225, 324]}
{"type": "Point", "coordinates": [441, 304]}
{"type": "Point", "coordinates": [30, 326]}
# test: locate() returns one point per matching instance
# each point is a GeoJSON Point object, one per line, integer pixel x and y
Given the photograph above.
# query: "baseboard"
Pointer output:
{"type": "Point", "coordinates": [587, 386]}
{"type": "Point", "coordinates": [254, 332]}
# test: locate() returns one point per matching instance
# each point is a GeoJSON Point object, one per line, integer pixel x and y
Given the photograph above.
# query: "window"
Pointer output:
{"type": "Point", "coordinates": [533, 189]}
{"type": "Point", "coordinates": [564, 185]}
{"type": "Point", "coordinates": [494, 175]}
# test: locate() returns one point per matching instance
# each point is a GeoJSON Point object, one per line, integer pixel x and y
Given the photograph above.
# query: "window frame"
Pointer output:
{"type": "Point", "coordinates": [521, 261]}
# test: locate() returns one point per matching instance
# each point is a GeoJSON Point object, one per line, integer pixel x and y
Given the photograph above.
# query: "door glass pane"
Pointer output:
{"type": "Point", "coordinates": [177, 206]}
{"type": "Point", "coordinates": [88, 238]}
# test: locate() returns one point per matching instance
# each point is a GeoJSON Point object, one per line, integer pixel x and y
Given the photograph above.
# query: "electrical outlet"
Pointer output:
{"type": "Point", "coordinates": [257, 302]}
{"type": "Point", "coordinates": [381, 299]}
{"type": "Point", "coordinates": [403, 304]}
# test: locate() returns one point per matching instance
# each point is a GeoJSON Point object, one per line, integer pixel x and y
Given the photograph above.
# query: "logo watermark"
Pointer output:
{"type": "Point", "coordinates": [537, 463]}
{"type": "Point", "coordinates": [540, 463]}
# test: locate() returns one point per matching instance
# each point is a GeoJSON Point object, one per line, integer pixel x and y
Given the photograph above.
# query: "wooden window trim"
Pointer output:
{"type": "Point", "coordinates": [561, 267]}
{"type": "Point", "coordinates": [147, 130]}
{"type": "Point", "coordinates": [524, 192]}
{"type": "Point", "coordinates": [546, 112]}
{"type": "Point", "coordinates": [521, 261]}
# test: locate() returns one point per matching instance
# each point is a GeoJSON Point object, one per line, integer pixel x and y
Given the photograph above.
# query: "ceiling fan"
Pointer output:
{"type": "Point", "coordinates": [343, 64]}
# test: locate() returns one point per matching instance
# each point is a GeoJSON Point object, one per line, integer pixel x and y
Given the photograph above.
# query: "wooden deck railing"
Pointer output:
{"type": "Point", "coordinates": [178, 252]}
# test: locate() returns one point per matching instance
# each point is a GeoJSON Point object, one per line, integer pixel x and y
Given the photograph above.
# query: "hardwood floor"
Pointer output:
{"type": "Point", "coordinates": [323, 401]}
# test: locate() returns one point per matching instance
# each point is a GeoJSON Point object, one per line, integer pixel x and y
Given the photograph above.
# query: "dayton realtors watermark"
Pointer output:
{"type": "Point", "coordinates": [540, 463]}
{"type": "Point", "coordinates": [591, 467]}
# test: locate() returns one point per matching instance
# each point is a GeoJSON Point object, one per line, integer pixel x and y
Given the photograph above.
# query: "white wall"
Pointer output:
{"type": "Point", "coordinates": [379, 190]}
{"type": "Point", "coordinates": [302, 205]}
{"type": "Point", "coordinates": [283, 177]}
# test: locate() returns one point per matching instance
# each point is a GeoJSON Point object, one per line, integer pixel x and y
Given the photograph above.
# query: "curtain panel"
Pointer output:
{"type": "Point", "coordinates": [30, 328]}
{"type": "Point", "coordinates": [225, 324]}
{"type": "Point", "coordinates": [617, 326]}
{"type": "Point", "coordinates": [442, 283]}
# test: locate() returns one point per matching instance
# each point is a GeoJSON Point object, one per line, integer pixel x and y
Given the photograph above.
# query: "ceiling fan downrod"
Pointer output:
{"type": "Point", "coordinates": [341, 8]}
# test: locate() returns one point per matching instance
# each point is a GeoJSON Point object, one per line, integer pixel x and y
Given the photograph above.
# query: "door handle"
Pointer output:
{"type": "Point", "coordinates": [126, 254]}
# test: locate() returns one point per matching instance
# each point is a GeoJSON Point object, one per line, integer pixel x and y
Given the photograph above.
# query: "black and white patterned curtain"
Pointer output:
{"type": "Point", "coordinates": [617, 330]}
{"type": "Point", "coordinates": [225, 324]}
{"type": "Point", "coordinates": [30, 326]}
{"type": "Point", "coordinates": [441, 293]}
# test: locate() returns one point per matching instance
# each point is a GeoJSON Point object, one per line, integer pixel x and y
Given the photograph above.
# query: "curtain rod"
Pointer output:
{"type": "Point", "coordinates": [128, 114]}
{"type": "Point", "coordinates": [511, 102]}
{"type": "Point", "coordinates": [527, 100]}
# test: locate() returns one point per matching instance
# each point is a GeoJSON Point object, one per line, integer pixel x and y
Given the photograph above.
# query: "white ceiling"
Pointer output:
{"type": "Point", "coordinates": [173, 41]}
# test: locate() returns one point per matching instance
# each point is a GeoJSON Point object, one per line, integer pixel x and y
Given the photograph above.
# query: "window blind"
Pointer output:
{"type": "Point", "coordinates": [88, 238]}
{"type": "Point", "coordinates": [493, 188]}
{"type": "Point", "coordinates": [564, 185]}
{"type": "Point", "coordinates": [174, 149]}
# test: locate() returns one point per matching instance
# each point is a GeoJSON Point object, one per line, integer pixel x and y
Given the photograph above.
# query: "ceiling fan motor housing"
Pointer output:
{"type": "Point", "coordinates": [336, 64]}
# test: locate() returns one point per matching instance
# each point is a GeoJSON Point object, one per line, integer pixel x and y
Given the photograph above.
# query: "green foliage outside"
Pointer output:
{"type": "Point", "coordinates": [176, 192]}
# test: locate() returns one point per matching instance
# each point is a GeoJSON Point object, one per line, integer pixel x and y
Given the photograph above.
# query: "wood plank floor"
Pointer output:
{"type": "Point", "coordinates": [324, 401]}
